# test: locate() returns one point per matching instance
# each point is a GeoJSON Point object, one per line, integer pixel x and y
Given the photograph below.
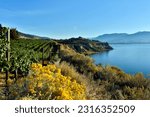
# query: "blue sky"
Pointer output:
{"type": "Point", "coordinates": [73, 18]}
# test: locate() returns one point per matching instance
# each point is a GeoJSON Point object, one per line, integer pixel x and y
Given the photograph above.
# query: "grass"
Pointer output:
{"type": "Point", "coordinates": [107, 82]}
{"type": "Point", "coordinates": [93, 90]}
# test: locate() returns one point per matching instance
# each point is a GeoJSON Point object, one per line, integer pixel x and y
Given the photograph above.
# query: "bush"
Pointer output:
{"type": "Point", "coordinates": [14, 34]}
{"type": "Point", "coordinates": [70, 71]}
{"type": "Point", "coordinates": [83, 64]}
{"type": "Point", "coordinates": [124, 86]}
{"type": "Point", "coordinates": [47, 83]}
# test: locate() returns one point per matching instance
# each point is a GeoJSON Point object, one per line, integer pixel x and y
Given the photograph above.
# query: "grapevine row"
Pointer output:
{"type": "Point", "coordinates": [23, 53]}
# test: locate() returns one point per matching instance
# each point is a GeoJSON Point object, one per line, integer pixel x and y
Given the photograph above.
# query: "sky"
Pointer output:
{"type": "Point", "coordinates": [73, 18]}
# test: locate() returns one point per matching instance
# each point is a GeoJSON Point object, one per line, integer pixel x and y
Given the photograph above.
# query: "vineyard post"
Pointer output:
{"type": "Point", "coordinates": [43, 56]}
{"type": "Point", "coordinates": [58, 51]}
{"type": "Point", "coordinates": [8, 58]}
{"type": "Point", "coordinates": [50, 52]}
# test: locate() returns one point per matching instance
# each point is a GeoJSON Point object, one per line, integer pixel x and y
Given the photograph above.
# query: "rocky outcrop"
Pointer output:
{"type": "Point", "coordinates": [86, 46]}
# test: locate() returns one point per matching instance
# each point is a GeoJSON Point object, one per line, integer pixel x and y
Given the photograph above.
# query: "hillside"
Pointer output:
{"type": "Point", "coordinates": [86, 46]}
{"type": "Point", "coordinates": [139, 37]}
{"type": "Point", "coordinates": [30, 36]}
{"type": "Point", "coordinates": [55, 70]}
{"type": "Point", "coordinates": [80, 45]}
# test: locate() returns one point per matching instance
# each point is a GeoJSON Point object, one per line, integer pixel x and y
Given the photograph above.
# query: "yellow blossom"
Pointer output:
{"type": "Point", "coordinates": [48, 83]}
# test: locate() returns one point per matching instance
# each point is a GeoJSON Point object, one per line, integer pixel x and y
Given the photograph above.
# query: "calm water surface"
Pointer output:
{"type": "Point", "coordinates": [131, 58]}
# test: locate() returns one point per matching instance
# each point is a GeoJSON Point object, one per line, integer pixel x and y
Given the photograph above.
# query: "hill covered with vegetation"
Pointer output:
{"type": "Point", "coordinates": [30, 36]}
{"type": "Point", "coordinates": [62, 69]}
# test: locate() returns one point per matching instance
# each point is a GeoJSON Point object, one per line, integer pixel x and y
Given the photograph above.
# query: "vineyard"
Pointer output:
{"type": "Point", "coordinates": [37, 69]}
{"type": "Point", "coordinates": [16, 57]}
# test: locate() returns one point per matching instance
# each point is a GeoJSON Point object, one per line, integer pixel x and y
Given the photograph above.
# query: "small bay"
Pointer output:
{"type": "Point", "coordinates": [131, 58]}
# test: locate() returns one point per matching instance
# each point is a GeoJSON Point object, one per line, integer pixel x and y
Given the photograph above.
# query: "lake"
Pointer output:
{"type": "Point", "coordinates": [131, 58]}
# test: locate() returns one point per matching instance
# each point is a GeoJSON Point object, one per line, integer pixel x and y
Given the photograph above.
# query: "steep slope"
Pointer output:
{"type": "Point", "coordinates": [83, 45]}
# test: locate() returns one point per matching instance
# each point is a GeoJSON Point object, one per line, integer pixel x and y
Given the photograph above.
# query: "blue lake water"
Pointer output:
{"type": "Point", "coordinates": [131, 58]}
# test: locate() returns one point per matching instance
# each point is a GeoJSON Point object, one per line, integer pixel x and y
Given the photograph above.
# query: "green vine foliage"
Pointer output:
{"type": "Point", "coordinates": [23, 52]}
{"type": "Point", "coordinates": [4, 64]}
{"type": "Point", "coordinates": [20, 58]}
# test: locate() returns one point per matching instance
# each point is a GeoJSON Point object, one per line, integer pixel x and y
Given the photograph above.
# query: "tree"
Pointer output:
{"type": "Point", "coordinates": [1, 29]}
{"type": "Point", "coordinates": [14, 34]}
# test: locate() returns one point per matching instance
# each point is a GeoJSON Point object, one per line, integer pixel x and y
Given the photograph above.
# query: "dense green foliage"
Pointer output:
{"type": "Point", "coordinates": [23, 52]}
{"type": "Point", "coordinates": [3, 48]}
{"type": "Point", "coordinates": [14, 34]}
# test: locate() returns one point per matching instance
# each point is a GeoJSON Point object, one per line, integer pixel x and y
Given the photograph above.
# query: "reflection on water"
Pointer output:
{"type": "Point", "coordinates": [131, 58]}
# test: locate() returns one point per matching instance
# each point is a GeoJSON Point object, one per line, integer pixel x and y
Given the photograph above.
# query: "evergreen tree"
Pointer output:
{"type": "Point", "coordinates": [14, 33]}
{"type": "Point", "coordinates": [1, 28]}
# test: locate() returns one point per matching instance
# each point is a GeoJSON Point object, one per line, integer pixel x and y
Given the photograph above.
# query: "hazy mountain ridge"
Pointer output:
{"type": "Point", "coordinates": [139, 37]}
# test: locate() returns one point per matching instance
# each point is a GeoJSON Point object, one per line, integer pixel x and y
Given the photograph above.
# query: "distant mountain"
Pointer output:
{"type": "Point", "coordinates": [139, 37]}
{"type": "Point", "coordinates": [30, 36]}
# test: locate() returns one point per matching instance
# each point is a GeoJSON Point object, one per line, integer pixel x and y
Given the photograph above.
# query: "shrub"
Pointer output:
{"type": "Point", "coordinates": [84, 64]}
{"type": "Point", "coordinates": [70, 71]}
{"type": "Point", "coordinates": [47, 83]}
{"type": "Point", "coordinates": [124, 86]}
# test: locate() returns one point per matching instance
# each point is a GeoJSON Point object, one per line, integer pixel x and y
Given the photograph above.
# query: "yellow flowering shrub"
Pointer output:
{"type": "Point", "coordinates": [47, 82]}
